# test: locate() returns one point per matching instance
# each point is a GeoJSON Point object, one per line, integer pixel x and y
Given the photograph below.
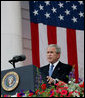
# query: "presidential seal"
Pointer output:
{"type": "Point", "coordinates": [10, 81]}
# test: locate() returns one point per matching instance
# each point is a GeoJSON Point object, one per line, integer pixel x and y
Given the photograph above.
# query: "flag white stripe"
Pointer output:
{"type": "Point", "coordinates": [80, 52]}
{"type": "Point", "coordinates": [43, 43]}
{"type": "Point", "coordinates": [61, 41]}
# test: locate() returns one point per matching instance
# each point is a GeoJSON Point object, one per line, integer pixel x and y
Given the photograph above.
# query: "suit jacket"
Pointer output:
{"type": "Point", "coordinates": [60, 72]}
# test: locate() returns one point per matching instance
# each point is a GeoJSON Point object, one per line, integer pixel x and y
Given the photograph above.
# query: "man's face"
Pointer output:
{"type": "Point", "coordinates": [52, 56]}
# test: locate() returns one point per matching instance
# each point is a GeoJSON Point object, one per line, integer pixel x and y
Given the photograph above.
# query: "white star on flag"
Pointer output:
{"type": "Point", "coordinates": [74, 7]}
{"type": "Point", "coordinates": [35, 12]}
{"type": "Point", "coordinates": [81, 14]}
{"type": "Point", "coordinates": [41, 7]}
{"type": "Point", "coordinates": [67, 12]}
{"type": "Point", "coordinates": [60, 5]}
{"type": "Point", "coordinates": [80, 2]}
{"type": "Point", "coordinates": [67, 1]}
{"type": "Point", "coordinates": [47, 2]}
{"type": "Point", "coordinates": [47, 15]}
{"type": "Point", "coordinates": [61, 17]}
{"type": "Point", "coordinates": [74, 19]}
{"type": "Point", "coordinates": [54, 10]}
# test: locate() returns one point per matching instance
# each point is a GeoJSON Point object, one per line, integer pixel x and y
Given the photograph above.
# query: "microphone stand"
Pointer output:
{"type": "Point", "coordinates": [13, 63]}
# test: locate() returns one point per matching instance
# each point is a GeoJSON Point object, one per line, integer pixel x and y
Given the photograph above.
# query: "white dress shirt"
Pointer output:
{"type": "Point", "coordinates": [55, 64]}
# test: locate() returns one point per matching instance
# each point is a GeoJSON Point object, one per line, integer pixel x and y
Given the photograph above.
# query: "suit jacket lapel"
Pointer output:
{"type": "Point", "coordinates": [56, 70]}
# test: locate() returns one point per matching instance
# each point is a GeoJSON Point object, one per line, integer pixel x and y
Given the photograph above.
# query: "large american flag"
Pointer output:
{"type": "Point", "coordinates": [62, 23]}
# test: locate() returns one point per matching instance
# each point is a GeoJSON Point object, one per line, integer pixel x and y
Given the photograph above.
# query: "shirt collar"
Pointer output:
{"type": "Point", "coordinates": [55, 64]}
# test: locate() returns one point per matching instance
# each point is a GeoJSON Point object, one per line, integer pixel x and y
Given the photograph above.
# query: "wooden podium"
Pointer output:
{"type": "Point", "coordinates": [26, 79]}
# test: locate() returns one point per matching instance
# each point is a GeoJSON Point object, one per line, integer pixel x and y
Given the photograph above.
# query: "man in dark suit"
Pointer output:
{"type": "Point", "coordinates": [56, 70]}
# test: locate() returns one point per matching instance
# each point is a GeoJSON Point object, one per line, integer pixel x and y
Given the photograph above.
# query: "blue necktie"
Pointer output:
{"type": "Point", "coordinates": [51, 70]}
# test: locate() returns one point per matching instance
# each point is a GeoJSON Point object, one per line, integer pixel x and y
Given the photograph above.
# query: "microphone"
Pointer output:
{"type": "Point", "coordinates": [18, 58]}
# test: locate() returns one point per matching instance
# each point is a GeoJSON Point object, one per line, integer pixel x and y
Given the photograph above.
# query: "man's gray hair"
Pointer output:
{"type": "Point", "coordinates": [58, 49]}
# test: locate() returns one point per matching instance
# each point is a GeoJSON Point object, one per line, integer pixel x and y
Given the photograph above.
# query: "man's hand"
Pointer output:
{"type": "Point", "coordinates": [50, 80]}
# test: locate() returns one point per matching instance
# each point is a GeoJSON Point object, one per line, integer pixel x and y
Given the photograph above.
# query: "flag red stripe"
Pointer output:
{"type": "Point", "coordinates": [72, 50]}
{"type": "Point", "coordinates": [51, 32]}
{"type": "Point", "coordinates": [35, 44]}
